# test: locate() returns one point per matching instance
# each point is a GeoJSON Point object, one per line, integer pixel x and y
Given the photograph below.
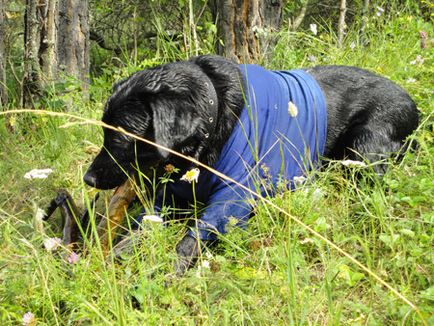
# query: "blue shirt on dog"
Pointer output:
{"type": "Point", "coordinates": [281, 134]}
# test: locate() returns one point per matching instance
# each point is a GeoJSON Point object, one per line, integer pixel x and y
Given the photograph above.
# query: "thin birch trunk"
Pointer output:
{"type": "Point", "coordinates": [194, 48]}
{"type": "Point", "coordinates": [341, 24]}
{"type": "Point", "coordinates": [3, 87]}
{"type": "Point", "coordinates": [365, 18]}
{"type": "Point", "coordinates": [300, 17]}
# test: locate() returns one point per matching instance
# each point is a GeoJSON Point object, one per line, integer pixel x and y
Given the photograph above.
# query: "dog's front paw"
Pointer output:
{"type": "Point", "coordinates": [187, 250]}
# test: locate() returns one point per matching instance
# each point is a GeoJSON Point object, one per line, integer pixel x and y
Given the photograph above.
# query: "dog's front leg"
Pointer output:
{"type": "Point", "coordinates": [188, 250]}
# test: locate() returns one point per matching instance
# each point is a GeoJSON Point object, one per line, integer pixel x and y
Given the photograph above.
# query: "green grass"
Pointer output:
{"type": "Point", "coordinates": [276, 272]}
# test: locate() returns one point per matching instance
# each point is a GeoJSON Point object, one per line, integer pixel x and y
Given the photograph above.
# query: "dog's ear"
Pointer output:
{"type": "Point", "coordinates": [148, 81]}
{"type": "Point", "coordinates": [175, 127]}
{"type": "Point", "coordinates": [167, 79]}
{"type": "Point", "coordinates": [163, 122]}
{"type": "Point", "coordinates": [223, 72]}
{"type": "Point", "coordinates": [176, 97]}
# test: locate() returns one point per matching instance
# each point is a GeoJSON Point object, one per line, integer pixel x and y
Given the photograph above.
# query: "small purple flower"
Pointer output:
{"type": "Point", "coordinates": [29, 319]}
{"type": "Point", "coordinates": [73, 258]}
{"type": "Point", "coordinates": [423, 37]}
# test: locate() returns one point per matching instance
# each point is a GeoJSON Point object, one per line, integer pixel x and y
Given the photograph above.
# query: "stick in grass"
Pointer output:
{"type": "Point", "coordinates": [122, 197]}
{"type": "Point", "coordinates": [69, 213]}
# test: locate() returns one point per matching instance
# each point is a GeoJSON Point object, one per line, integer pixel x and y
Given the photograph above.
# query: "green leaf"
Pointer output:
{"type": "Point", "coordinates": [351, 277]}
{"type": "Point", "coordinates": [407, 232]}
{"type": "Point", "coordinates": [389, 240]}
{"type": "Point", "coordinates": [428, 293]}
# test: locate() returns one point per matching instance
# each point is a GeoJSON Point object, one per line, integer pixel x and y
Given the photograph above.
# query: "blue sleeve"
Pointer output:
{"type": "Point", "coordinates": [226, 203]}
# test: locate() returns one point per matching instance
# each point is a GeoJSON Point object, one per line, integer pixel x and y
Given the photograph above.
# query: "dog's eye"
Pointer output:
{"type": "Point", "coordinates": [117, 143]}
{"type": "Point", "coordinates": [122, 141]}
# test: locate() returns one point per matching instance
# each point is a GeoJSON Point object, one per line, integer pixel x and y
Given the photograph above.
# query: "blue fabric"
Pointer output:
{"type": "Point", "coordinates": [267, 147]}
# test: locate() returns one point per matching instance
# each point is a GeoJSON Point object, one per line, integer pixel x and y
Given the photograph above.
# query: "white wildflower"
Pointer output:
{"type": "Point", "coordinates": [152, 218]}
{"type": "Point", "coordinates": [352, 46]}
{"type": "Point", "coordinates": [351, 163]}
{"type": "Point", "coordinates": [411, 80]}
{"type": "Point", "coordinates": [419, 60]}
{"type": "Point", "coordinates": [317, 194]}
{"type": "Point", "coordinates": [192, 175]}
{"type": "Point", "coordinates": [39, 220]}
{"type": "Point", "coordinates": [299, 180]}
{"type": "Point", "coordinates": [307, 240]}
{"type": "Point", "coordinates": [29, 319]}
{"type": "Point", "coordinates": [292, 109]}
{"type": "Point", "coordinates": [52, 244]}
{"type": "Point", "coordinates": [205, 264]}
{"type": "Point", "coordinates": [40, 214]}
{"type": "Point", "coordinates": [314, 29]}
{"type": "Point", "coordinates": [38, 174]}
{"type": "Point", "coordinates": [311, 58]}
{"type": "Point", "coordinates": [380, 11]}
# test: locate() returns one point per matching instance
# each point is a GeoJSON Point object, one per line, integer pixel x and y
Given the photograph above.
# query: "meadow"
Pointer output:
{"type": "Point", "coordinates": [275, 272]}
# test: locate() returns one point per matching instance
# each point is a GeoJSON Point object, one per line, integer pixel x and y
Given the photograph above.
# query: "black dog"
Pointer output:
{"type": "Point", "coordinates": [221, 114]}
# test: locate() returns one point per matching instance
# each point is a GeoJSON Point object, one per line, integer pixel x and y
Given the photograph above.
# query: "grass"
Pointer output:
{"type": "Point", "coordinates": [273, 272]}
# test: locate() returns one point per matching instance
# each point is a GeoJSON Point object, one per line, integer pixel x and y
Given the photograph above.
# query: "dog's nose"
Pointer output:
{"type": "Point", "coordinates": [90, 179]}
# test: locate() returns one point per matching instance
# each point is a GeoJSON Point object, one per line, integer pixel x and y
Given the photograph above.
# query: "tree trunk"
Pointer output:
{"type": "Point", "coordinates": [73, 40]}
{"type": "Point", "coordinates": [365, 18]}
{"type": "Point", "coordinates": [341, 24]}
{"type": "Point", "coordinates": [300, 17]}
{"type": "Point", "coordinates": [32, 77]}
{"type": "Point", "coordinates": [245, 27]}
{"type": "Point", "coordinates": [3, 87]}
{"type": "Point", "coordinates": [56, 45]}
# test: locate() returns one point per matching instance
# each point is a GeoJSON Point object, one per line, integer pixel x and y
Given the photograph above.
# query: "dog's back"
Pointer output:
{"type": "Point", "coordinates": [369, 116]}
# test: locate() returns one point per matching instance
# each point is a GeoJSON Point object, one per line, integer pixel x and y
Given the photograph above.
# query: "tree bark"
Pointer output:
{"type": "Point", "coordinates": [194, 43]}
{"type": "Point", "coordinates": [73, 39]}
{"type": "Point", "coordinates": [341, 24]}
{"type": "Point", "coordinates": [3, 87]}
{"type": "Point", "coordinates": [56, 45]}
{"type": "Point", "coordinates": [245, 27]}
{"type": "Point", "coordinates": [32, 83]}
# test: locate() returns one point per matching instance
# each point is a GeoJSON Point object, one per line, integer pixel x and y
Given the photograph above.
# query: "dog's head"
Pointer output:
{"type": "Point", "coordinates": [171, 105]}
